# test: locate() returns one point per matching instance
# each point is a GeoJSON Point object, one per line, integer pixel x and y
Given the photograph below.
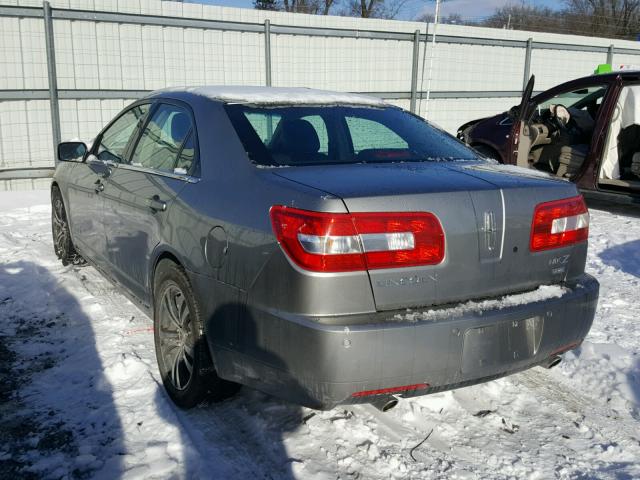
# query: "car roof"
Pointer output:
{"type": "Point", "coordinates": [271, 95]}
{"type": "Point", "coordinates": [624, 74]}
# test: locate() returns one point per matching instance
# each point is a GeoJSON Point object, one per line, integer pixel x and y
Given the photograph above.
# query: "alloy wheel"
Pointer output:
{"type": "Point", "coordinates": [177, 343]}
{"type": "Point", "coordinates": [60, 228]}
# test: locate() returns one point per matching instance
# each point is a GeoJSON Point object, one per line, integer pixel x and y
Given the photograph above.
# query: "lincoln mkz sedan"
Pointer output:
{"type": "Point", "coordinates": [321, 247]}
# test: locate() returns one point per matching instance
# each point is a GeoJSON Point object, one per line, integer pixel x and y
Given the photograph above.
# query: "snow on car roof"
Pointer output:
{"type": "Point", "coordinates": [278, 95]}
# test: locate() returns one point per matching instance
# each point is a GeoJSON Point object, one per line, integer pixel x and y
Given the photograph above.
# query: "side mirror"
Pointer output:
{"type": "Point", "coordinates": [71, 151]}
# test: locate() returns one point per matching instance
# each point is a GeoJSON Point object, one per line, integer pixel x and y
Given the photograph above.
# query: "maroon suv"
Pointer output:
{"type": "Point", "coordinates": [586, 130]}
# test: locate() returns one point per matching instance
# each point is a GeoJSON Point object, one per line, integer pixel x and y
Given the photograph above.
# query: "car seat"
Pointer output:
{"type": "Point", "coordinates": [295, 141]}
{"type": "Point", "coordinates": [628, 147]}
{"type": "Point", "coordinates": [571, 159]}
{"type": "Point", "coordinates": [635, 164]}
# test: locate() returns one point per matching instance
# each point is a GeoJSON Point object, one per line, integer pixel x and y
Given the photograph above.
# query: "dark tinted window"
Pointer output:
{"type": "Point", "coordinates": [320, 127]}
{"type": "Point", "coordinates": [308, 135]}
{"type": "Point", "coordinates": [185, 159]}
{"type": "Point", "coordinates": [162, 139]}
{"type": "Point", "coordinates": [115, 139]}
{"type": "Point", "coordinates": [369, 135]}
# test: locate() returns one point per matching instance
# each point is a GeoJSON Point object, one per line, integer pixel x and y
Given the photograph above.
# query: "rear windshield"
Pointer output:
{"type": "Point", "coordinates": [320, 135]}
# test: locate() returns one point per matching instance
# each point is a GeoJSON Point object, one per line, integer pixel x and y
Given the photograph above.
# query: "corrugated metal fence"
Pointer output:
{"type": "Point", "coordinates": [66, 70]}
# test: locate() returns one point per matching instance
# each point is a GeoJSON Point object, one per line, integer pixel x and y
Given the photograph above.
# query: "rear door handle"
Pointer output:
{"type": "Point", "coordinates": [157, 205]}
{"type": "Point", "coordinates": [99, 186]}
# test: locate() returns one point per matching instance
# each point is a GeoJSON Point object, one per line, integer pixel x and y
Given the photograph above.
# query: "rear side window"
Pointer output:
{"type": "Point", "coordinates": [264, 124]}
{"type": "Point", "coordinates": [114, 140]}
{"type": "Point", "coordinates": [163, 138]}
{"type": "Point", "coordinates": [336, 134]}
{"type": "Point", "coordinates": [187, 154]}
{"type": "Point", "coordinates": [368, 134]}
{"type": "Point", "coordinates": [320, 127]}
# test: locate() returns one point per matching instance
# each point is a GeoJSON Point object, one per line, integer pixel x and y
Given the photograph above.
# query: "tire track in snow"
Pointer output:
{"type": "Point", "coordinates": [244, 434]}
{"type": "Point", "coordinates": [615, 425]}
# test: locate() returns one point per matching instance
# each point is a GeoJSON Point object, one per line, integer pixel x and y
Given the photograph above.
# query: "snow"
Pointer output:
{"type": "Point", "coordinates": [515, 170]}
{"type": "Point", "coordinates": [87, 400]}
{"type": "Point", "coordinates": [543, 292]}
{"type": "Point", "coordinates": [278, 95]}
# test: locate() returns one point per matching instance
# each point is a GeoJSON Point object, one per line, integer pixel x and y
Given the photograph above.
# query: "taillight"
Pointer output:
{"type": "Point", "coordinates": [341, 242]}
{"type": "Point", "coordinates": [559, 223]}
{"type": "Point", "coordinates": [391, 390]}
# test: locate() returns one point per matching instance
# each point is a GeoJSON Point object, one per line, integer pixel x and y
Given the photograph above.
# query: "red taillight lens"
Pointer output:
{"type": "Point", "coordinates": [323, 242]}
{"type": "Point", "coordinates": [559, 223]}
{"type": "Point", "coordinates": [402, 239]}
{"type": "Point", "coordinates": [387, 391]}
{"type": "Point", "coordinates": [341, 242]}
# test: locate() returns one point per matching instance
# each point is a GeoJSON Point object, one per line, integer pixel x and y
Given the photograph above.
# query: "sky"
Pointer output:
{"type": "Point", "coordinates": [467, 8]}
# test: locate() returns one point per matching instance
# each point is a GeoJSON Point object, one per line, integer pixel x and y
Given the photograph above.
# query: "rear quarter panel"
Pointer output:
{"type": "Point", "coordinates": [220, 228]}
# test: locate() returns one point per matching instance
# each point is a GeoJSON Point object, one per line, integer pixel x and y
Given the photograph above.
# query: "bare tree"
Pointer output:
{"type": "Point", "coordinates": [265, 4]}
{"type": "Point", "coordinates": [373, 8]}
{"type": "Point", "coordinates": [354, 8]}
{"type": "Point", "coordinates": [451, 19]}
{"type": "Point", "coordinates": [315, 7]}
{"type": "Point", "coordinates": [618, 18]}
{"type": "Point", "coordinates": [526, 17]}
{"type": "Point", "coordinates": [607, 18]}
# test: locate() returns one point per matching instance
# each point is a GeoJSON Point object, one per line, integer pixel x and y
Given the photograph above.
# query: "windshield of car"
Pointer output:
{"type": "Point", "coordinates": [319, 135]}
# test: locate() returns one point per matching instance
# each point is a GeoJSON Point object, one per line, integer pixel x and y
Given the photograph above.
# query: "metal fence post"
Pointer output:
{"type": "Point", "coordinates": [610, 55]}
{"type": "Point", "coordinates": [414, 71]}
{"type": "Point", "coordinates": [53, 78]}
{"type": "Point", "coordinates": [267, 52]}
{"type": "Point", "coordinates": [527, 63]}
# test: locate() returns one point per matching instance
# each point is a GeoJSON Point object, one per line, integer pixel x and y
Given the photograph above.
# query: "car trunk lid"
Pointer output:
{"type": "Point", "coordinates": [486, 216]}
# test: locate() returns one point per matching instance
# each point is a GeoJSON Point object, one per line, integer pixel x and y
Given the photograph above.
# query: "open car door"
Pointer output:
{"type": "Point", "coordinates": [520, 140]}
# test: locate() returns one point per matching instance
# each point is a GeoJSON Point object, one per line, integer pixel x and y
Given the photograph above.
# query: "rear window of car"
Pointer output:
{"type": "Point", "coordinates": [318, 135]}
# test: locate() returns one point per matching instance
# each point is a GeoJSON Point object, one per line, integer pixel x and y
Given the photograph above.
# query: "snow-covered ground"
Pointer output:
{"type": "Point", "coordinates": [80, 394]}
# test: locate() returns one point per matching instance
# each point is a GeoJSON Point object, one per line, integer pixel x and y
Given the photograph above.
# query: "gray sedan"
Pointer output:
{"type": "Point", "coordinates": [324, 248]}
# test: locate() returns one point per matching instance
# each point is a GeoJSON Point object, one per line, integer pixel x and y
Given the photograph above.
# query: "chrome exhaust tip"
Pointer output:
{"type": "Point", "coordinates": [552, 361]}
{"type": "Point", "coordinates": [384, 404]}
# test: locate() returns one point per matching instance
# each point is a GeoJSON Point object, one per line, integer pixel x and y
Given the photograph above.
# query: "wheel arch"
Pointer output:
{"type": "Point", "coordinates": [56, 185]}
{"type": "Point", "coordinates": [163, 252]}
{"type": "Point", "coordinates": [166, 252]}
{"type": "Point", "coordinates": [159, 255]}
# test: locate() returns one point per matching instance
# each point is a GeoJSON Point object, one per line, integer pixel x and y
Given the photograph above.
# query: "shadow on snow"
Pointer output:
{"type": "Point", "coordinates": [58, 414]}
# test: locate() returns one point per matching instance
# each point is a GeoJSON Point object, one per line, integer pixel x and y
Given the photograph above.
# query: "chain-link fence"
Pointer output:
{"type": "Point", "coordinates": [67, 69]}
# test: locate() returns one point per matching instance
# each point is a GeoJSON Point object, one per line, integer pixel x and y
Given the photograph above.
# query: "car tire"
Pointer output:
{"type": "Point", "coordinates": [488, 152]}
{"type": "Point", "coordinates": [181, 350]}
{"type": "Point", "coordinates": [61, 232]}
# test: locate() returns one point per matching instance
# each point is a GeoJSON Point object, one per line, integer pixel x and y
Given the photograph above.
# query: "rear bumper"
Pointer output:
{"type": "Point", "coordinates": [321, 365]}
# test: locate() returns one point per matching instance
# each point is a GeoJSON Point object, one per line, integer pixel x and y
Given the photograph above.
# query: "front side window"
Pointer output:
{"type": "Point", "coordinates": [586, 99]}
{"type": "Point", "coordinates": [114, 140]}
{"type": "Point", "coordinates": [318, 135]}
{"type": "Point", "coordinates": [162, 140]}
